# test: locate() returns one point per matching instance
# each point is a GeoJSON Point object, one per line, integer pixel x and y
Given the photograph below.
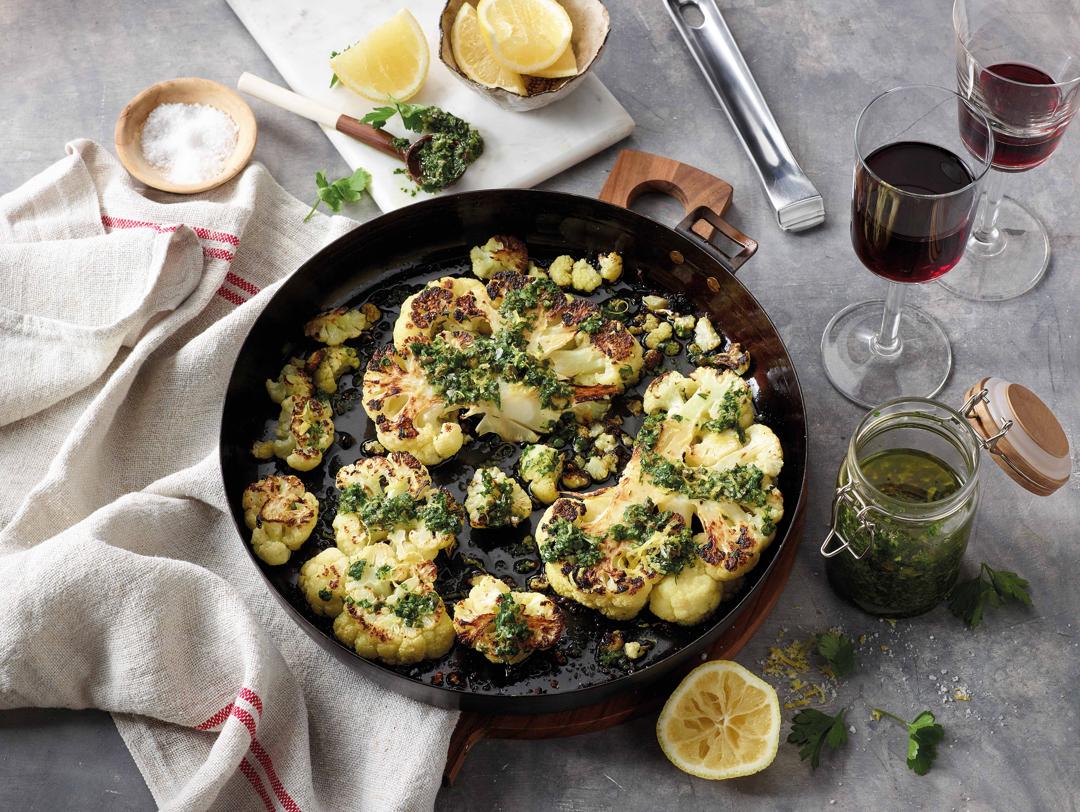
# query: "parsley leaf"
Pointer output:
{"type": "Point", "coordinates": [378, 117]}
{"type": "Point", "coordinates": [839, 650]}
{"type": "Point", "coordinates": [340, 191]}
{"type": "Point", "coordinates": [333, 76]}
{"type": "Point", "coordinates": [990, 587]}
{"type": "Point", "coordinates": [924, 734]}
{"type": "Point", "coordinates": [812, 728]}
{"type": "Point", "coordinates": [412, 115]}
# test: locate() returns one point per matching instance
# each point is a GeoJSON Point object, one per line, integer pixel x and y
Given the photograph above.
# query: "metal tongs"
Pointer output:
{"type": "Point", "coordinates": [797, 203]}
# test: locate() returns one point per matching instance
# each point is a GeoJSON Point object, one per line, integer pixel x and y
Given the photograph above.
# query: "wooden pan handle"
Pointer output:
{"type": "Point", "coordinates": [704, 197]}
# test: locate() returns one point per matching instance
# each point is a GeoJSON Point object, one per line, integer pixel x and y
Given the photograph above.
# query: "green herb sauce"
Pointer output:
{"type": "Point", "coordinates": [568, 542]}
{"type": "Point", "coordinates": [453, 146]}
{"type": "Point", "coordinates": [511, 631]}
{"type": "Point", "coordinates": [413, 607]}
{"type": "Point", "coordinates": [909, 564]}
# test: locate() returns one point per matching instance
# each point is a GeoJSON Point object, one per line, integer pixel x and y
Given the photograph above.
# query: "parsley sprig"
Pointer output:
{"type": "Point", "coordinates": [839, 650]}
{"type": "Point", "coordinates": [811, 729]}
{"type": "Point", "coordinates": [342, 190]}
{"type": "Point", "coordinates": [989, 587]}
{"type": "Point", "coordinates": [412, 115]}
{"type": "Point", "coordinates": [924, 734]}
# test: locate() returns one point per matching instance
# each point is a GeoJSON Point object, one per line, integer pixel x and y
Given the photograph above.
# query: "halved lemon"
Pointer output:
{"type": "Point", "coordinates": [721, 722]}
{"type": "Point", "coordinates": [565, 65]}
{"type": "Point", "coordinates": [475, 59]}
{"type": "Point", "coordinates": [525, 35]}
{"type": "Point", "coordinates": [390, 62]}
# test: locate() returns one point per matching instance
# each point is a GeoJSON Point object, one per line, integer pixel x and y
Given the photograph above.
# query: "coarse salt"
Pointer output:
{"type": "Point", "coordinates": [189, 143]}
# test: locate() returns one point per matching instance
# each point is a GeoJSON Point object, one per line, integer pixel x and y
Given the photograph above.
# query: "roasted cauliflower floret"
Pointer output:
{"type": "Point", "coordinates": [280, 514]}
{"type": "Point", "coordinates": [391, 611]}
{"type": "Point", "coordinates": [504, 626]}
{"type": "Point", "coordinates": [327, 365]}
{"type": "Point", "coordinates": [391, 499]}
{"type": "Point", "coordinates": [409, 414]}
{"type": "Point", "coordinates": [689, 596]}
{"type": "Point", "coordinates": [584, 277]}
{"type": "Point", "coordinates": [500, 253]}
{"type": "Point", "coordinates": [695, 408]}
{"type": "Point", "coordinates": [610, 266]}
{"type": "Point", "coordinates": [341, 324]}
{"type": "Point", "coordinates": [541, 466]}
{"type": "Point", "coordinates": [561, 271]}
{"type": "Point", "coordinates": [658, 335]}
{"type": "Point", "coordinates": [305, 430]}
{"type": "Point", "coordinates": [495, 500]}
{"type": "Point", "coordinates": [608, 548]}
{"type": "Point", "coordinates": [292, 381]}
{"type": "Point", "coordinates": [705, 335]}
{"type": "Point", "coordinates": [322, 580]}
{"type": "Point", "coordinates": [450, 303]}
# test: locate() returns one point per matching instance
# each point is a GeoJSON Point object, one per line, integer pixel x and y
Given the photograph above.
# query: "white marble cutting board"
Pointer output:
{"type": "Point", "coordinates": [521, 149]}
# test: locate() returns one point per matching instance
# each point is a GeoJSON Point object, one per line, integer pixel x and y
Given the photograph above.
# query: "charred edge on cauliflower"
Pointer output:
{"type": "Point", "coordinates": [500, 253]}
{"type": "Point", "coordinates": [641, 522]}
{"type": "Point", "coordinates": [565, 541]}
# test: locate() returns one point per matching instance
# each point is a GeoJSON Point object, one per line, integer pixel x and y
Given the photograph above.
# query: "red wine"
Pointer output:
{"type": "Point", "coordinates": [1021, 115]}
{"type": "Point", "coordinates": [906, 238]}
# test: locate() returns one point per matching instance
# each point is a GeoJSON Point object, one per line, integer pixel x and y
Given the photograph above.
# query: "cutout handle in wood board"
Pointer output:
{"type": "Point", "coordinates": [704, 198]}
{"type": "Point", "coordinates": [473, 727]}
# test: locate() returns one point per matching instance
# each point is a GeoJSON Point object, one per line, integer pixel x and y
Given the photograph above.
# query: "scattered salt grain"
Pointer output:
{"type": "Point", "coordinates": [189, 143]}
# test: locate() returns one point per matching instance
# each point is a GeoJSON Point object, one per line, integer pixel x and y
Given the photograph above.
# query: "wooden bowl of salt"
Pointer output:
{"type": "Point", "coordinates": [185, 136]}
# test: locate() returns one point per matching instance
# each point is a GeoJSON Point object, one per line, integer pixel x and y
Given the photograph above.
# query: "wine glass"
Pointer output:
{"type": "Point", "coordinates": [1019, 63]}
{"type": "Point", "coordinates": [915, 192]}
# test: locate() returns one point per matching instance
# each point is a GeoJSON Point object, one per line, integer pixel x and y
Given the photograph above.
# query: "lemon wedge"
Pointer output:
{"type": "Point", "coordinates": [565, 65]}
{"type": "Point", "coordinates": [525, 36]}
{"type": "Point", "coordinates": [390, 62]}
{"type": "Point", "coordinates": [473, 57]}
{"type": "Point", "coordinates": [721, 722]}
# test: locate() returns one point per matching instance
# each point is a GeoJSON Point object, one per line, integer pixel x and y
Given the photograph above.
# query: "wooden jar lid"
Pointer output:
{"type": "Point", "coordinates": [1034, 452]}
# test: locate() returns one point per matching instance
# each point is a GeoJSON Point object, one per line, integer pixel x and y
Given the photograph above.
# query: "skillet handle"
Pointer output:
{"type": "Point", "coordinates": [704, 197]}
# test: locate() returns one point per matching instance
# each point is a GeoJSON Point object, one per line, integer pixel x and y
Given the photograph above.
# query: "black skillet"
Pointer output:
{"type": "Point", "coordinates": [395, 254]}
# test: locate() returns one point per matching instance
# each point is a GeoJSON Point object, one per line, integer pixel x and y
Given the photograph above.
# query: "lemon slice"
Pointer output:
{"type": "Point", "coordinates": [721, 722]}
{"type": "Point", "coordinates": [525, 35]}
{"type": "Point", "coordinates": [390, 62]}
{"type": "Point", "coordinates": [473, 57]}
{"type": "Point", "coordinates": [565, 65]}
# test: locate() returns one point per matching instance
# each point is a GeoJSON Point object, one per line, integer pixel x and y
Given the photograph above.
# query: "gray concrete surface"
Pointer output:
{"type": "Point", "coordinates": [69, 67]}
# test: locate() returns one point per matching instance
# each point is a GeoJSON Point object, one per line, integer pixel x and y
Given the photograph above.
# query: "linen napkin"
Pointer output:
{"type": "Point", "coordinates": [122, 581]}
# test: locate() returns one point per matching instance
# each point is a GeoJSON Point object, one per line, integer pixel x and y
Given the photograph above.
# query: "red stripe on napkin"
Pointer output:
{"type": "Point", "coordinates": [251, 775]}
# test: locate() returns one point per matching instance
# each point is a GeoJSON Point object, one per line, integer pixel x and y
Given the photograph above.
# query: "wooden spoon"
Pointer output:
{"type": "Point", "coordinates": [350, 126]}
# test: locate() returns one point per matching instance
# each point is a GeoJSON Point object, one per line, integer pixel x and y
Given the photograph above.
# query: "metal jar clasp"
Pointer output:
{"type": "Point", "coordinates": [847, 493]}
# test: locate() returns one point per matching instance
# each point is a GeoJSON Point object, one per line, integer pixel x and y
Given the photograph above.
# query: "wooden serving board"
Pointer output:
{"type": "Point", "coordinates": [635, 173]}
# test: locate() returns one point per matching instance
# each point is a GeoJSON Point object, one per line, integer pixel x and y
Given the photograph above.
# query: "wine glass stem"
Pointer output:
{"type": "Point", "coordinates": [887, 342]}
{"type": "Point", "coordinates": [986, 238]}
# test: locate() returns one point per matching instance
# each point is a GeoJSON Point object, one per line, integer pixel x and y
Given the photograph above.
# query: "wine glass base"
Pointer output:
{"type": "Point", "coordinates": [1013, 269]}
{"type": "Point", "coordinates": [869, 378]}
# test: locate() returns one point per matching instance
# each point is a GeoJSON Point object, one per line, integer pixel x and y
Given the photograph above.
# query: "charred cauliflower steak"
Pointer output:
{"type": "Point", "coordinates": [608, 548]}
{"type": "Point", "coordinates": [699, 457]}
{"type": "Point", "coordinates": [519, 354]}
{"type": "Point", "coordinates": [701, 447]}
{"type": "Point", "coordinates": [495, 500]}
{"type": "Point", "coordinates": [341, 324]}
{"type": "Point", "coordinates": [410, 414]}
{"type": "Point", "coordinates": [280, 514]}
{"type": "Point", "coordinates": [450, 303]}
{"type": "Point", "coordinates": [390, 610]}
{"type": "Point", "coordinates": [305, 430]}
{"type": "Point", "coordinates": [391, 499]}
{"type": "Point", "coordinates": [504, 626]}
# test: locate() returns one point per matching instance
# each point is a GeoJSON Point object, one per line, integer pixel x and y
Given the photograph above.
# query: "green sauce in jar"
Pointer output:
{"type": "Point", "coordinates": [911, 551]}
